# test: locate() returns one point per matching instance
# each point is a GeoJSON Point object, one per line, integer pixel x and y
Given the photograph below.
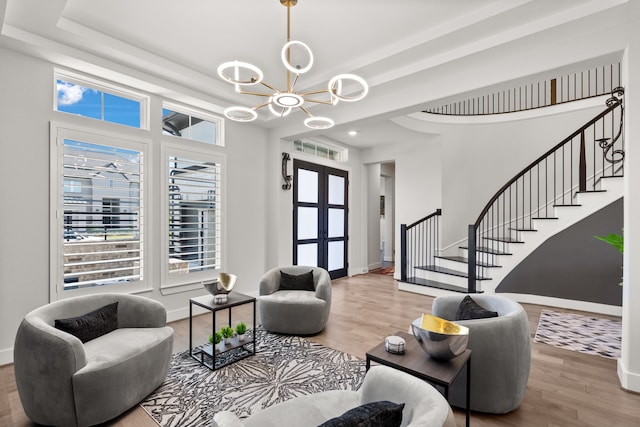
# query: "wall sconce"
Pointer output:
{"type": "Point", "coordinates": [285, 177]}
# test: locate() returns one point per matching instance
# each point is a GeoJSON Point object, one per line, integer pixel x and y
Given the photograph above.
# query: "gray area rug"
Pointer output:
{"type": "Point", "coordinates": [284, 367]}
{"type": "Point", "coordinates": [586, 334]}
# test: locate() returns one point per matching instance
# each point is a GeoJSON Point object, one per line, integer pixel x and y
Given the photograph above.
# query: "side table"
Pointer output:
{"type": "Point", "coordinates": [207, 354]}
{"type": "Point", "coordinates": [416, 362]}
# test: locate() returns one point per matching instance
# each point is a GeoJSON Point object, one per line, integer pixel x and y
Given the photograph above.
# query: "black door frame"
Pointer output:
{"type": "Point", "coordinates": [323, 218]}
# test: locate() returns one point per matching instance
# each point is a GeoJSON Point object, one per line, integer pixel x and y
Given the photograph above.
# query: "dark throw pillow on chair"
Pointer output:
{"type": "Point", "coordinates": [374, 414]}
{"type": "Point", "coordinates": [91, 325]}
{"type": "Point", "coordinates": [469, 309]}
{"type": "Point", "coordinates": [302, 282]}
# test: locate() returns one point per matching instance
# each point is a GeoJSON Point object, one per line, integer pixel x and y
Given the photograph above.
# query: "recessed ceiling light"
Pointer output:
{"type": "Point", "coordinates": [353, 132]}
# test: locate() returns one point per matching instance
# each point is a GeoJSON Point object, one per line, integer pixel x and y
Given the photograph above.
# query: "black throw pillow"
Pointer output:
{"type": "Point", "coordinates": [91, 325]}
{"type": "Point", "coordinates": [469, 309]}
{"type": "Point", "coordinates": [374, 414]}
{"type": "Point", "coordinates": [303, 282]}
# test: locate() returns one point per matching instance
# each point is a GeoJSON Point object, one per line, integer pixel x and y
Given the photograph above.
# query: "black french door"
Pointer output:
{"type": "Point", "coordinates": [320, 213]}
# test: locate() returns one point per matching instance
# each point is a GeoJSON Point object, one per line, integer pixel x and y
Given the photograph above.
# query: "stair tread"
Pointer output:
{"type": "Point", "coordinates": [465, 260]}
{"type": "Point", "coordinates": [487, 250]}
{"type": "Point", "coordinates": [545, 217]}
{"type": "Point", "coordinates": [522, 229]}
{"type": "Point", "coordinates": [434, 284]}
{"type": "Point", "coordinates": [449, 271]}
{"type": "Point", "coordinates": [567, 206]}
{"type": "Point", "coordinates": [504, 239]}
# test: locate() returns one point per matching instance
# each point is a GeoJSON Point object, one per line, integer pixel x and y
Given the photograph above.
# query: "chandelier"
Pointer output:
{"type": "Point", "coordinates": [281, 102]}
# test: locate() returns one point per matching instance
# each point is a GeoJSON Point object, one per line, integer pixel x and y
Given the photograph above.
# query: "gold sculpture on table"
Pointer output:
{"type": "Point", "coordinates": [221, 287]}
{"type": "Point", "coordinates": [440, 338]}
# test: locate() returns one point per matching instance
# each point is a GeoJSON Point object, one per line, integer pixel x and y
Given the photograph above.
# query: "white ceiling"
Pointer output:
{"type": "Point", "coordinates": [184, 42]}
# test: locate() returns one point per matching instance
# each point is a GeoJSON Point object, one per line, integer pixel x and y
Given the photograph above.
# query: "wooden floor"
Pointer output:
{"type": "Point", "coordinates": [565, 388]}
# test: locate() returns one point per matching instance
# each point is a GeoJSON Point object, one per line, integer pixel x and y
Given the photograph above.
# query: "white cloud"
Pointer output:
{"type": "Point", "coordinates": [69, 93]}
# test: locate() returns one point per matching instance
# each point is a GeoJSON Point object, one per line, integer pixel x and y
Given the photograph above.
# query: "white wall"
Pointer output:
{"type": "Point", "coordinates": [418, 179]}
{"type": "Point", "coordinates": [26, 107]}
{"type": "Point", "coordinates": [478, 159]}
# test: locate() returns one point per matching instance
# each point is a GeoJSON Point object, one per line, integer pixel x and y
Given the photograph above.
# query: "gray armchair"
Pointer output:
{"type": "Point", "coordinates": [64, 382]}
{"type": "Point", "coordinates": [424, 405]}
{"type": "Point", "coordinates": [501, 353]}
{"type": "Point", "coordinates": [294, 312]}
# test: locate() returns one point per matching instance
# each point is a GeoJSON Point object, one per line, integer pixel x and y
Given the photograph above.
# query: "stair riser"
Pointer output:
{"type": "Point", "coordinates": [441, 277]}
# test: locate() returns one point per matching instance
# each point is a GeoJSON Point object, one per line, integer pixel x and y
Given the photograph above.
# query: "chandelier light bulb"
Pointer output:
{"type": "Point", "coordinates": [288, 99]}
{"type": "Point", "coordinates": [335, 87]}
{"type": "Point", "coordinates": [284, 111]}
{"type": "Point", "coordinates": [240, 114]}
{"type": "Point", "coordinates": [318, 123]}
{"type": "Point", "coordinates": [235, 67]}
{"type": "Point", "coordinates": [285, 50]}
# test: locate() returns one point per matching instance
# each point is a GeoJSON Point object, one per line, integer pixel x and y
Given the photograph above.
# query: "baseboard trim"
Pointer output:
{"type": "Point", "coordinates": [628, 380]}
{"type": "Point", "coordinates": [591, 307]}
{"type": "Point", "coordinates": [6, 356]}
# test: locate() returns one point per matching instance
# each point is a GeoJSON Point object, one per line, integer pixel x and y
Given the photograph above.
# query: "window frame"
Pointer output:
{"type": "Point", "coordinates": [59, 132]}
{"type": "Point", "coordinates": [194, 112]}
{"type": "Point", "coordinates": [195, 150]}
{"type": "Point", "coordinates": [103, 86]}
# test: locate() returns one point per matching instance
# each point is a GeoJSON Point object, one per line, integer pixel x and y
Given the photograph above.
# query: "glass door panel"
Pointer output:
{"type": "Point", "coordinates": [308, 254]}
{"type": "Point", "coordinates": [336, 190]}
{"type": "Point", "coordinates": [336, 256]}
{"type": "Point", "coordinates": [307, 223]}
{"type": "Point", "coordinates": [336, 223]}
{"type": "Point", "coordinates": [307, 186]}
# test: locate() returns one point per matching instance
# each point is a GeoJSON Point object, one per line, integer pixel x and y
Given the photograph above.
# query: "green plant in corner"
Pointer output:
{"type": "Point", "coordinates": [615, 240]}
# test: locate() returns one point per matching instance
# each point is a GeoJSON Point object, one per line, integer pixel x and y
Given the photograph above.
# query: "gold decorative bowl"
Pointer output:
{"type": "Point", "coordinates": [222, 285]}
{"type": "Point", "coordinates": [440, 338]}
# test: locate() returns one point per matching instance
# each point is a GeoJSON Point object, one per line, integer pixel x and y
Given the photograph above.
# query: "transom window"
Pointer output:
{"type": "Point", "coordinates": [182, 123]}
{"type": "Point", "coordinates": [99, 101]}
{"type": "Point", "coordinates": [320, 150]}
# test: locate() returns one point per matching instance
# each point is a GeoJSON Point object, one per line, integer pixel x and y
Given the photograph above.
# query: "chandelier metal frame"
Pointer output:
{"type": "Point", "coordinates": [281, 102]}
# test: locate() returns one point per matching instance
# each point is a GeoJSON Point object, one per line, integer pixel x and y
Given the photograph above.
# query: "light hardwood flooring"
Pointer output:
{"type": "Point", "coordinates": [565, 388]}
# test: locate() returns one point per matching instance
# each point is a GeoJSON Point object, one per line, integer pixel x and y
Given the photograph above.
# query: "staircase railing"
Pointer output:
{"type": "Point", "coordinates": [419, 243]}
{"type": "Point", "coordinates": [577, 164]}
{"type": "Point", "coordinates": [558, 90]}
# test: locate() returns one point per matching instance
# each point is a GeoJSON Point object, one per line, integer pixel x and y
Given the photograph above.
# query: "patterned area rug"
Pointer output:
{"type": "Point", "coordinates": [284, 367]}
{"type": "Point", "coordinates": [590, 335]}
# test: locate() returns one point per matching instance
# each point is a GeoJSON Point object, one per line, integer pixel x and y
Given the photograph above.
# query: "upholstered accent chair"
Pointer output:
{"type": "Point", "coordinates": [294, 312]}
{"type": "Point", "coordinates": [65, 382]}
{"type": "Point", "coordinates": [501, 353]}
{"type": "Point", "coordinates": [424, 406]}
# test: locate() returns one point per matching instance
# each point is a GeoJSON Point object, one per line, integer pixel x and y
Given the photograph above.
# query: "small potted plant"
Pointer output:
{"type": "Point", "coordinates": [241, 329]}
{"type": "Point", "coordinates": [217, 340]}
{"type": "Point", "coordinates": [227, 333]}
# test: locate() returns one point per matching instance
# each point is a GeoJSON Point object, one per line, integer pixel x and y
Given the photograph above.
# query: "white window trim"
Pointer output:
{"type": "Point", "coordinates": [214, 153]}
{"type": "Point", "coordinates": [58, 133]}
{"type": "Point", "coordinates": [200, 114]}
{"type": "Point", "coordinates": [102, 86]}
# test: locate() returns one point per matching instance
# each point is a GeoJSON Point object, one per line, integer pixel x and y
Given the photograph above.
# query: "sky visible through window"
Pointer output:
{"type": "Point", "coordinates": [88, 102]}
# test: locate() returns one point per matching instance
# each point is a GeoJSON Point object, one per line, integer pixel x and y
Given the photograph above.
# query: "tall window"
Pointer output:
{"type": "Point", "coordinates": [194, 210]}
{"type": "Point", "coordinates": [103, 235]}
{"type": "Point", "coordinates": [99, 211]}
